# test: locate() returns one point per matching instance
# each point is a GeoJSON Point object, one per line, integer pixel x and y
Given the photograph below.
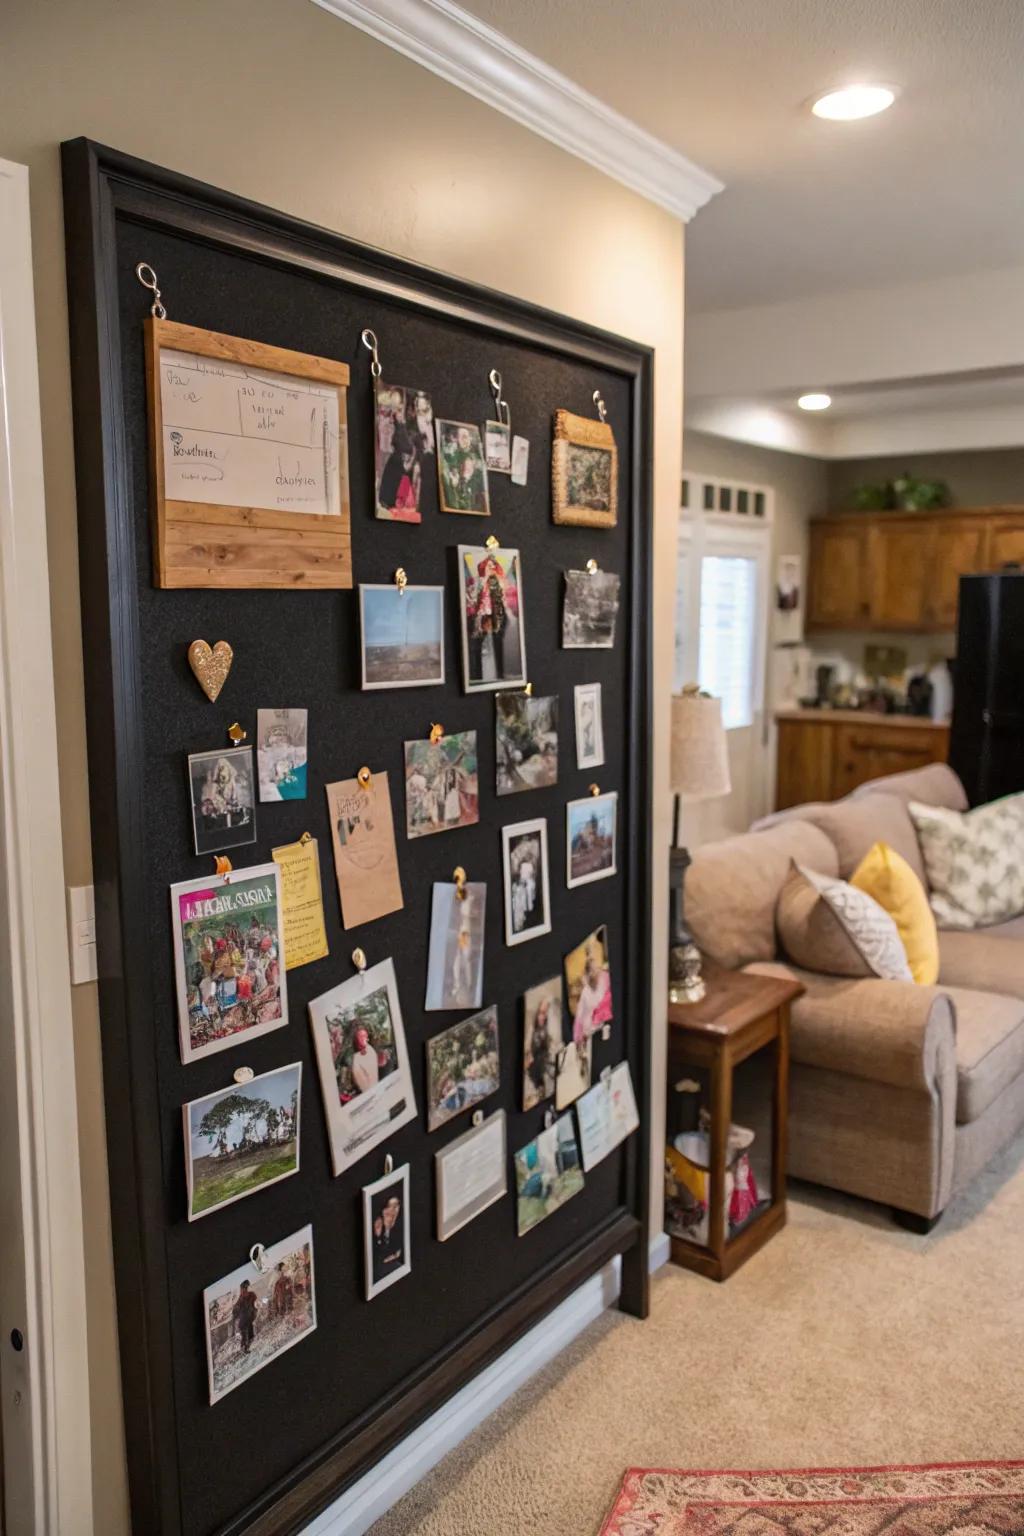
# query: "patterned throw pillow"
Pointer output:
{"type": "Point", "coordinates": [828, 926]}
{"type": "Point", "coordinates": [974, 860]}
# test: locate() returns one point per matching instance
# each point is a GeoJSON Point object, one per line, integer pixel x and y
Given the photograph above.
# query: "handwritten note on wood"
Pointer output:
{"type": "Point", "coordinates": [250, 462]}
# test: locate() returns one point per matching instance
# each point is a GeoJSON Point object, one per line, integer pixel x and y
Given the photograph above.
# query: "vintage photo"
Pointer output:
{"type": "Point", "coordinates": [361, 1055]}
{"type": "Point", "coordinates": [498, 447]}
{"type": "Point", "coordinates": [228, 959]}
{"type": "Point", "coordinates": [402, 635]}
{"type": "Point", "coordinates": [526, 741]}
{"type": "Point", "coordinates": [573, 1071]}
{"type": "Point", "coordinates": [365, 855]}
{"type": "Point", "coordinates": [386, 1238]}
{"type": "Point", "coordinates": [491, 618]}
{"type": "Point", "coordinates": [281, 753]}
{"type": "Point", "coordinates": [256, 1313]}
{"type": "Point", "coordinates": [441, 788]}
{"type": "Point", "coordinates": [591, 607]}
{"type": "Point", "coordinates": [606, 1115]}
{"type": "Point", "coordinates": [548, 1173]}
{"type": "Point", "coordinates": [589, 725]}
{"type": "Point", "coordinates": [590, 826]}
{"type": "Point", "coordinates": [527, 889]}
{"type": "Point", "coordinates": [461, 469]}
{"type": "Point", "coordinates": [403, 450]}
{"type": "Point", "coordinates": [462, 1067]}
{"type": "Point", "coordinates": [455, 962]}
{"type": "Point", "coordinates": [588, 983]}
{"type": "Point", "coordinates": [584, 472]}
{"type": "Point", "coordinates": [471, 1173]}
{"type": "Point", "coordinates": [223, 799]}
{"type": "Point", "coordinates": [241, 1139]}
{"type": "Point", "coordinates": [542, 1040]}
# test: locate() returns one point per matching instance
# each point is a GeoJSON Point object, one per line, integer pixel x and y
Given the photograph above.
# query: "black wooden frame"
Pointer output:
{"type": "Point", "coordinates": [100, 187]}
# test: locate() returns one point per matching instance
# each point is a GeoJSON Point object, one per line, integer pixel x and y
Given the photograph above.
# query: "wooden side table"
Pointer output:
{"type": "Point", "coordinates": [727, 1055]}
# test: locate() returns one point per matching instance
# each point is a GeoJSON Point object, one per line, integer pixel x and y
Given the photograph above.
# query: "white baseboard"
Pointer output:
{"type": "Point", "coordinates": [401, 1469]}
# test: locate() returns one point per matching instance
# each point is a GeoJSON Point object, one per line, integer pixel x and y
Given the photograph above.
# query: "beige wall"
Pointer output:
{"type": "Point", "coordinates": [360, 140]}
{"type": "Point", "coordinates": [976, 478]}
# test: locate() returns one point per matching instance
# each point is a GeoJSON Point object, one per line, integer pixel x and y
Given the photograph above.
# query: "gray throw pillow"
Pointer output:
{"type": "Point", "coordinates": [828, 926]}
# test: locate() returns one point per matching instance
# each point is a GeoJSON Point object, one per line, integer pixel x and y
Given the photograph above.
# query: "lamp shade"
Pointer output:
{"type": "Point", "coordinates": [700, 755]}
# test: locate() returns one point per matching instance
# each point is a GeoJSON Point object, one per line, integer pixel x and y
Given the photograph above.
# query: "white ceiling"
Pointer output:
{"type": "Point", "coordinates": [931, 188]}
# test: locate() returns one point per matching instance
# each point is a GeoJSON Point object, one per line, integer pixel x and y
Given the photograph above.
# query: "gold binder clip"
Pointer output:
{"type": "Point", "coordinates": [222, 866]}
{"type": "Point", "coordinates": [436, 732]}
{"type": "Point", "coordinates": [359, 960]}
{"type": "Point", "coordinates": [595, 789]}
{"type": "Point", "coordinates": [364, 777]}
{"type": "Point", "coordinates": [401, 580]}
{"type": "Point", "coordinates": [528, 690]}
{"type": "Point", "coordinates": [459, 876]}
{"type": "Point", "coordinates": [592, 567]}
{"type": "Point", "coordinates": [307, 837]}
{"type": "Point", "coordinates": [236, 734]}
{"type": "Point", "coordinates": [491, 542]}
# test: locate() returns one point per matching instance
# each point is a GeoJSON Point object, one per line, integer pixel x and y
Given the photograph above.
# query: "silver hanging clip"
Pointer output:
{"type": "Point", "coordinates": [601, 411]}
{"type": "Point", "coordinates": [147, 277]}
{"type": "Point", "coordinates": [243, 1074]}
{"type": "Point", "coordinates": [359, 960]}
{"type": "Point", "coordinates": [478, 1117]}
{"type": "Point", "coordinates": [501, 408]}
{"type": "Point", "coordinates": [258, 1257]}
{"type": "Point", "coordinates": [369, 340]}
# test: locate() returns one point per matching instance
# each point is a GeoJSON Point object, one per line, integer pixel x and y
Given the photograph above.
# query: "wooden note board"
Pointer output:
{"type": "Point", "coordinates": [248, 462]}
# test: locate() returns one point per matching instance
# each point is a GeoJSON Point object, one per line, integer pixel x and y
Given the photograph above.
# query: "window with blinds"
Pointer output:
{"type": "Point", "coordinates": [727, 647]}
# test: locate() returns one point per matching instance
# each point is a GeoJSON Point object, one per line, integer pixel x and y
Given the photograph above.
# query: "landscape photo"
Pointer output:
{"type": "Point", "coordinates": [402, 631]}
{"type": "Point", "coordinates": [241, 1139]}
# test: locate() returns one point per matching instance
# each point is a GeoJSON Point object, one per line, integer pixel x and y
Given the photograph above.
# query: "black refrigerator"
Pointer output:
{"type": "Point", "coordinates": [986, 742]}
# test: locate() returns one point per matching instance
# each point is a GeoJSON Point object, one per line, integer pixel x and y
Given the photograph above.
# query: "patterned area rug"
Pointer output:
{"type": "Point", "coordinates": [984, 1498]}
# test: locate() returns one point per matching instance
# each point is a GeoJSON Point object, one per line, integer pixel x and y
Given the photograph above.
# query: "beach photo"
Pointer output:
{"type": "Point", "coordinates": [455, 959]}
{"type": "Point", "coordinates": [441, 788]}
{"type": "Point", "coordinates": [590, 825]}
{"type": "Point", "coordinates": [281, 753]}
{"type": "Point", "coordinates": [526, 741]}
{"type": "Point", "coordinates": [243, 1138]}
{"type": "Point", "coordinates": [228, 958]}
{"type": "Point", "coordinates": [588, 983]}
{"type": "Point", "coordinates": [256, 1313]}
{"type": "Point", "coordinates": [542, 1040]}
{"type": "Point", "coordinates": [402, 635]}
{"type": "Point", "coordinates": [591, 607]}
{"type": "Point", "coordinates": [491, 618]}
{"type": "Point", "coordinates": [462, 1067]}
{"type": "Point", "coordinates": [527, 887]}
{"type": "Point", "coordinates": [548, 1173]}
{"type": "Point", "coordinates": [461, 469]}
{"type": "Point", "coordinates": [223, 799]}
{"type": "Point", "coordinates": [403, 449]}
{"type": "Point", "coordinates": [589, 725]}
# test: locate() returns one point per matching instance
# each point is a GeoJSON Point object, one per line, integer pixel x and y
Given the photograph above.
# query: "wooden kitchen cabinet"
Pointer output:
{"type": "Point", "coordinates": [824, 754]}
{"type": "Point", "coordinates": [1005, 542]}
{"type": "Point", "coordinates": [838, 597]}
{"type": "Point", "coordinates": [959, 547]}
{"type": "Point", "coordinates": [900, 560]}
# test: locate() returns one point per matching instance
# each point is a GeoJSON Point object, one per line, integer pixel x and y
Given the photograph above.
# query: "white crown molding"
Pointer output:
{"type": "Point", "coordinates": [464, 51]}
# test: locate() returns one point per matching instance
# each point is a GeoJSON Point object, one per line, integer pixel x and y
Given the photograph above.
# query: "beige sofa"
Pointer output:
{"type": "Point", "coordinates": [899, 1093]}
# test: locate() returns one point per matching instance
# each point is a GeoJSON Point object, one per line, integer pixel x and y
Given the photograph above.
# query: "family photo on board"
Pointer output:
{"type": "Point", "coordinates": [255, 1314]}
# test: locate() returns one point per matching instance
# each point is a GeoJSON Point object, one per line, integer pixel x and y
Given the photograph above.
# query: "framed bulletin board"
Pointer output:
{"type": "Point", "coordinates": [469, 1275]}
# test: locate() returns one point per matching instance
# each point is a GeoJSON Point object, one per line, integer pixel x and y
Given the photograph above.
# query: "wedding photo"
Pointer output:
{"type": "Point", "coordinates": [525, 869]}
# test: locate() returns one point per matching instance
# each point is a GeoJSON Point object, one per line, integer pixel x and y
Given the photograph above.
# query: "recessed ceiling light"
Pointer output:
{"type": "Point", "coordinates": [814, 402]}
{"type": "Point", "coordinates": [854, 101]}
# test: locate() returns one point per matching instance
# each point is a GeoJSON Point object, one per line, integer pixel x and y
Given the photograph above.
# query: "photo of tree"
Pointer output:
{"type": "Point", "coordinates": [242, 1138]}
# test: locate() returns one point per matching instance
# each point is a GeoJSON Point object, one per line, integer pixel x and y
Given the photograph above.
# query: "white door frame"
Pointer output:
{"type": "Point", "coordinates": [47, 1475]}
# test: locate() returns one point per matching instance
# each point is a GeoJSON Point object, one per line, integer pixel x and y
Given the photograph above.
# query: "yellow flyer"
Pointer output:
{"type": "Point", "coordinates": [302, 903]}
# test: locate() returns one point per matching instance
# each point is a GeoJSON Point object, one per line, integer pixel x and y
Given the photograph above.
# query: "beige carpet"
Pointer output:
{"type": "Point", "coordinates": [846, 1341]}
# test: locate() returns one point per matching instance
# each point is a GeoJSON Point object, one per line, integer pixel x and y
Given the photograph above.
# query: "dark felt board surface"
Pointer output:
{"type": "Point", "coordinates": [302, 649]}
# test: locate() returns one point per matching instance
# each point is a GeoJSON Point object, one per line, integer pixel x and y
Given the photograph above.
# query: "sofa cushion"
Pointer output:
{"type": "Point", "coordinates": [889, 879]}
{"type": "Point", "coordinates": [989, 1048]}
{"type": "Point", "coordinates": [854, 826]}
{"type": "Point", "coordinates": [983, 960]}
{"type": "Point", "coordinates": [974, 859]}
{"type": "Point", "coordinates": [936, 784]}
{"type": "Point", "coordinates": [732, 887]}
{"type": "Point", "coordinates": [1012, 929]}
{"type": "Point", "coordinates": [829, 926]}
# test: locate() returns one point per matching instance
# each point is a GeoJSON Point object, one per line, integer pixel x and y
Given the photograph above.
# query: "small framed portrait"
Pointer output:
{"type": "Point", "coordinates": [403, 450]}
{"type": "Point", "coordinates": [591, 608]}
{"type": "Point", "coordinates": [241, 1139]}
{"type": "Point", "coordinates": [386, 1237]}
{"type": "Point", "coordinates": [492, 620]}
{"type": "Point", "coordinates": [548, 1173]}
{"type": "Point", "coordinates": [588, 983]}
{"type": "Point", "coordinates": [573, 1071]}
{"type": "Point", "coordinates": [589, 725]}
{"type": "Point", "coordinates": [281, 753]}
{"type": "Point", "coordinates": [526, 741]}
{"type": "Point", "coordinates": [527, 887]}
{"type": "Point", "coordinates": [498, 447]}
{"type": "Point", "coordinates": [402, 635]}
{"type": "Point", "coordinates": [462, 469]}
{"type": "Point", "coordinates": [462, 1067]}
{"type": "Point", "coordinates": [257, 1312]}
{"type": "Point", "coordinates": [590, 826]}
{"type": "Point", "coordinates": [471, 1174]}
{"type": "Point", "coordinates": [223, 799]}
{"type": "Point", "coordinates": [229, 959]}
{"type": "Point", "coordinates": [441, 788]}
{"type": "Point", "coordinates": [455, 960]}
{"type": "Point", "coordinates": [542, 1040]}
{"type": "Point", "coordinates": [584, 472]}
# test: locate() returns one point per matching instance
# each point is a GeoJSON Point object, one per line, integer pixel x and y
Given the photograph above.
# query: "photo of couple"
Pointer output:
{"type": "Point", "coordinates": [404, 440]}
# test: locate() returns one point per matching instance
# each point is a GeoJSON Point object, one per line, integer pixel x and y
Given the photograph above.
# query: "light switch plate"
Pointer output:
{"type": "Point", "coordinates": [82, 933]}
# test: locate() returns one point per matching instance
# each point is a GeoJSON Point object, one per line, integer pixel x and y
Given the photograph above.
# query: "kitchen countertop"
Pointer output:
{"type": "Point", "coordinates": [860, 717]}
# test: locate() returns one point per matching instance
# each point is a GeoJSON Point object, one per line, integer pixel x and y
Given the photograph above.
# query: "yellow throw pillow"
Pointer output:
{"type": "Point", "coordinates": [886, 875]}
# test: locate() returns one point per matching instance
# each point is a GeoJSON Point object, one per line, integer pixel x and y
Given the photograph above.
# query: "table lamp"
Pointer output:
{"type": "Point", "coordinates": [700, 771]}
